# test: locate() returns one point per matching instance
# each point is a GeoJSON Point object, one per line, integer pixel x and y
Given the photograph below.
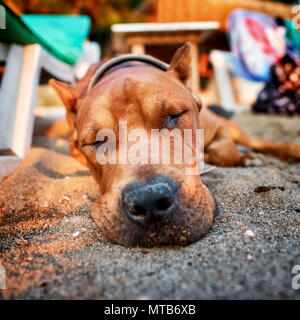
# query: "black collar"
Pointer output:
{"type": "Point", "coordinates": [125, 58]}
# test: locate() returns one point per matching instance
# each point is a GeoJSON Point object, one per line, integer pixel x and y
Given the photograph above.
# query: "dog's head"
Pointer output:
{"type": "Point", "coordinates": [146, 198]}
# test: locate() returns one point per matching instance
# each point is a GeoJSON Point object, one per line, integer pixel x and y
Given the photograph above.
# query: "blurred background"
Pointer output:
{"type": "Point", "coordinates": [246, 53]}
{"type": "Point", "coordinates": [105, 13]}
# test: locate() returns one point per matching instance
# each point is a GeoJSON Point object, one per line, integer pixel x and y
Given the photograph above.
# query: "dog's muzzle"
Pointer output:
{"type": "Point", "coordinates": [150, 202]}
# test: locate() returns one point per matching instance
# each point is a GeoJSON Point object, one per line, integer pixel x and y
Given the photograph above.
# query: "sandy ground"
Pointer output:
{"type": "Point", "coordinates": [51, 248]}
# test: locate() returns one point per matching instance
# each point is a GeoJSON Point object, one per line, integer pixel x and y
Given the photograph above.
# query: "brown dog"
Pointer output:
{"type": "Point", "coordinates": [152, 204]}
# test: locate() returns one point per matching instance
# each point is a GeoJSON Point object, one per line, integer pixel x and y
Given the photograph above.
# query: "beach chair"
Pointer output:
{"type": "Point", "coordinates": [30, 43]}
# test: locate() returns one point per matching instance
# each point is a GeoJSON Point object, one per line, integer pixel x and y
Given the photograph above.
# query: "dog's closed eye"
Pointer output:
{"type": "Point", "coordinates": [95, 145]}
{"type": "Point", "coordinates": [172, 119]}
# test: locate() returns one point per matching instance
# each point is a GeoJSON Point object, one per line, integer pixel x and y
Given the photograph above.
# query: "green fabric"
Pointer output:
{"type": "Point", "coordinates": [63, 36]}
{"type": "Point", "coordinates": [60, 35]}
{"type": "Point", "coordinates": [292, 34]}
{"type": "Point", "coordinates": [16, 31]}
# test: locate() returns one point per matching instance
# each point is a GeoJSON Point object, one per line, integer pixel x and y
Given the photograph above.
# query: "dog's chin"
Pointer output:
{"type": "Point", "coordinates": [185, 226]}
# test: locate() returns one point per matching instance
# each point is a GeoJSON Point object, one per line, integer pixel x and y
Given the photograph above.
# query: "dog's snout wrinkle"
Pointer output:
{"type": "Point", "coordinates": [151, 201]}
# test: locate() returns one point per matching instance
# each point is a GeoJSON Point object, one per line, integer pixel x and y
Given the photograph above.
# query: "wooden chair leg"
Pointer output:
{"type": "Point", "coordinates": [17, 100]}
{"type": "Point", "coordinates": [29, 82]}
{"type": "Point", "coordinates": [223, 80]}
{"type": "Point", "coordinates": [91, 53]}
{"type": "Point", "coordinates": [13, 55]}
{"type": "Point", "coordinates": [138, 48]}
{"type": "Point", "coordinates": [195, 86]}
{"type": "Point", "coordinates": [9, 94]}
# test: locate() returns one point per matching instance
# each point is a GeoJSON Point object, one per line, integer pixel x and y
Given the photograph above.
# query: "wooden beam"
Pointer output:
{"type": "Point", "coordinates": [164, 27]}
{"type": "Point", "coordinates": [164, 38]}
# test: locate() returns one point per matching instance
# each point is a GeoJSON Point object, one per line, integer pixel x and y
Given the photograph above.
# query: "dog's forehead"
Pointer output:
{"type": "Point", "coordinates": [143, 88]}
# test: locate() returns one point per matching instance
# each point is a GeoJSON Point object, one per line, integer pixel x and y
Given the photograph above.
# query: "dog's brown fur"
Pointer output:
{"type": "Point", "coordinates": [143, 96]}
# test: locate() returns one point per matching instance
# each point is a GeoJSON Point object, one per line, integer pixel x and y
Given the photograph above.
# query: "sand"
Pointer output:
{"type": "Point", "coordinates": [51, 249]}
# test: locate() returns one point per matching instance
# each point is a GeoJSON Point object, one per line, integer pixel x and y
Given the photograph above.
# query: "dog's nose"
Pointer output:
{"type": "Point", "coordinates": [154, 200]}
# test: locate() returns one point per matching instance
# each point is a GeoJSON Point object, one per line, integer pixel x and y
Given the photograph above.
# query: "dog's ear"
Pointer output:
{"type": "Point", "coordinates": [198, 101]}
{"type": "Point", "coordinates": [180, 65]}
{"type": "Point", "coordinates": [70, 94]}
{"type": "Point", "coordinates": [67, 94]}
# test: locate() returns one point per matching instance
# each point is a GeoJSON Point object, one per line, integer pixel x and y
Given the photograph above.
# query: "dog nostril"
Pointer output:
{"type": "Point", "coordinates": [138, 211]}
{"type": "Point", "coordinates": [164, 203]}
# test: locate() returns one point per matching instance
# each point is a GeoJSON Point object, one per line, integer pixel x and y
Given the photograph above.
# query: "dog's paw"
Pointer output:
{"type": "Point", "coordinates": [249, 159]}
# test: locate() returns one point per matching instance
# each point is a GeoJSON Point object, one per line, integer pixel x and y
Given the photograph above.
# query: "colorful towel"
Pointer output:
{"type": "Point", "coordinates": [257, 42]}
